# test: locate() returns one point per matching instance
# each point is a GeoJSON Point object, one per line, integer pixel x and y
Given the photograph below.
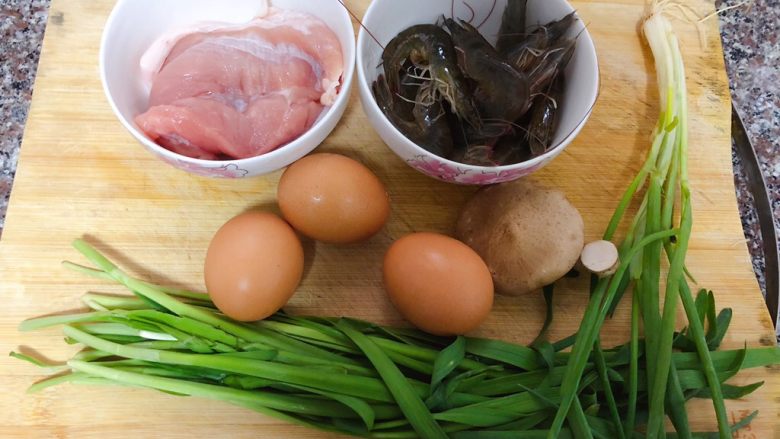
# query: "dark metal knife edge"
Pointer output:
{"type": "Point", "coordinates": [757, 186]}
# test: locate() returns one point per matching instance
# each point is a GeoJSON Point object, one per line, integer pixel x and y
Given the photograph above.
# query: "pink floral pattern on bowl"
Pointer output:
{"type": "Point", "coordinates": [436, 169]}
{"type": "Point", "coordinates": [450, 173]}
{"type": "Point", "coordinates": [228, 170]}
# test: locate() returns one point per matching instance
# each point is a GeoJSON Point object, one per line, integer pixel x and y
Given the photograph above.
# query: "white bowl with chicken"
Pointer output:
{"type": "Point", "coordinates": [231, 89]}
{"type": "Point", "coordinates": [503, 129]}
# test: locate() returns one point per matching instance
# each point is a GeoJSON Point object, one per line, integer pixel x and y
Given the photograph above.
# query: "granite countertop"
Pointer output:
{"type": "Point", "coordinates": [750, 42]}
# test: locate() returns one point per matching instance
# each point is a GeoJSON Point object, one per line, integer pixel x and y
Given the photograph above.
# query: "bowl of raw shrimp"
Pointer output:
{"type": "Point", "coordinates": [228, 89]}
{"type": "Point", "coordinates": [479, 92]}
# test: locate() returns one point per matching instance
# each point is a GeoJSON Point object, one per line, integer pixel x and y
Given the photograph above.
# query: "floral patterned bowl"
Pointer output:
{"type": "Point", "coordinates": [135, 24]}
{"type": "Point", "coordinates": [386, 18]}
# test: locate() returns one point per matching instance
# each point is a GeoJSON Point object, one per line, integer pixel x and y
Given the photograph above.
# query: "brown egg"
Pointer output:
{"type": "Point", "coordinates": [332, 198]}
{"type": "Point", "coordinates": [438, 283]}
{"type": "Point", "coordinates": [253, 266]}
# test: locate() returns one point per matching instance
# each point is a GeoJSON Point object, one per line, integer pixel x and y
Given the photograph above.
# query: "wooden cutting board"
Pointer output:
{"type": "Point", "coordinates": [81, 174]}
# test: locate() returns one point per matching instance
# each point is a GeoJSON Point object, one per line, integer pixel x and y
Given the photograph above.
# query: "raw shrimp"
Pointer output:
{"type": "Point", "coordinates": [429, 48]}
{"type": "Point", "coordinates": [453, 93]}
{"type": "Point", "coordinates": [544, 118]}
{"type": "Point", "coordinates": [526, 53]}
{"type": "Point", "coordinates": [427, 124]}
{"type": "Point", "coordinates": [552, 63]}
{"type": "Point", "coordinates": [512, 31]}
{"type": "Point", "coordinates": [511, 149]}
{"type": "Point", "coordinates": [502, 93]}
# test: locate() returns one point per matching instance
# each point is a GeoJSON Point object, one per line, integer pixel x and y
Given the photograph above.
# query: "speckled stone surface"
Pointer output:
{"type": "Point", "coordinates": [22, 23]}
{"type": "Point", "coordinates": [751, 45]}
{"type": "Point", "coordinates": [750, 41]}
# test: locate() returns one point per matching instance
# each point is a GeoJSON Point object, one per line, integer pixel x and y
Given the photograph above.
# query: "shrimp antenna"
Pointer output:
{"type": "Point", "coordinates": [473, 13]}
{"type": "Point", "coordinates": [360, 22]}
{"type": "Point", "coordinates": [548, 97]}
{"type": "Point", "coordinates": [487, 17]}
{"type": "Point", "coordinates": [584, 28]}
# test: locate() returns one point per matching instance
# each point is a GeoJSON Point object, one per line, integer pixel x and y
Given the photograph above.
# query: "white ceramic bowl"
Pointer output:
{"type": "Point", "coordinates": [135, 24]}
{"type": "Point", "coordinates": [386, 18]}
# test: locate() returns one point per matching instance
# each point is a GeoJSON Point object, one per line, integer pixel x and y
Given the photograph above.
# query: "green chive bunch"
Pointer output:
{"type": "Point", "coordinates": [356, 378]}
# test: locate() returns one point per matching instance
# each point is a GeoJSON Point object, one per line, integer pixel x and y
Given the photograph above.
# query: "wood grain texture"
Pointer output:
{"type": "Point", "coordinates": [81, 174]}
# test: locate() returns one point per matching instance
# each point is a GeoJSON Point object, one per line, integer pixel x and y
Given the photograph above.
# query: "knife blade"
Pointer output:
{"type": "Point", "coordinates": [758, 188]}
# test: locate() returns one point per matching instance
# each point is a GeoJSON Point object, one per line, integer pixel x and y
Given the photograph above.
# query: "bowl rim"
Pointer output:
{"type": "Point", "coordinates": [331, 111]}
{"type": "Point", "coordinates": [364, 38]}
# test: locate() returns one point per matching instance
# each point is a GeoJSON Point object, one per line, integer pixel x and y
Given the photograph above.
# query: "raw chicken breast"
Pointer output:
{"type": "Point", "coordinates": [217, 67]}
{"type": "Point", "coordinates": [243, 91]}
{"type": "Point", "coordinates": [210, 129]}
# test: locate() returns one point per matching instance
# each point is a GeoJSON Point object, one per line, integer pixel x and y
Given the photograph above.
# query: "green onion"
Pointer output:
{"type": "Point", "coordinates": [666, 174]}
